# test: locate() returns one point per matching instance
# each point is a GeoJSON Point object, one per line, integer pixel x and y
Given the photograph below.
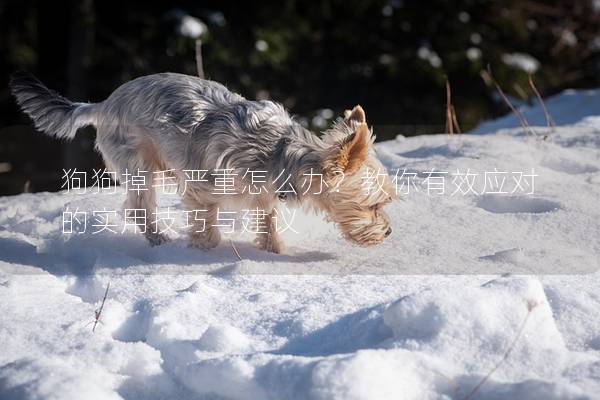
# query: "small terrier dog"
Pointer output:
{"type": "Point", "coordinates": [177, 122]}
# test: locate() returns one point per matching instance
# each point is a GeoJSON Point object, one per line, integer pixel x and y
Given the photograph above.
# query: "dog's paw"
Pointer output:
{"type": "Point", "coordinates": [277, 248]}
{"type": "Point", "coordinates": [205, 240]}
{"type": "Point", "coordinates": [156, 239]}
{"type": "Point", "coordinates": [270, 244]}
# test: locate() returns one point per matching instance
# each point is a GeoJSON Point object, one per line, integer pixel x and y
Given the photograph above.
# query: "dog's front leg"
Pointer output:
{"type": "Point", "coordinates": [268, 238]}
{"type": "Point", "coordinates": [202, 218]}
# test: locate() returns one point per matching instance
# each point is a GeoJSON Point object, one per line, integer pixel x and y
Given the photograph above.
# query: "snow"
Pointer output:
{"type": "Point", "coordinates": [566, 108]}
{"type": "Point", "coordinates": [522, 61]}
{"type": "Point", "coordinates": [427, 314]}
{"type": "Point", "coordinates": [425, 53]}
{"type": "Point", "coordinates": [189, 26]}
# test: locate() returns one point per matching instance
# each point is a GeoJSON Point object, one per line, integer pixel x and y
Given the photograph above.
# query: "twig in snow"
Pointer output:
{"type": "Point", "coordinates": [455, 120]}
{"type": "Point", "coordinates": [199, 66]}
{"type": "Point", "coordinates": [530, 306]}
{"type": "Point", "coordinates": [98, 312]}
{"type": "Point", "coordinates": [490, 81]}
{"type": "Point", "coordinates": [449, 124]}
{"type": "Point", "coordinates": [235, 250]}
{"type": "Point", "coordinates": [451, 120]}
{"type": "Point", "coordinates": [549, 120]}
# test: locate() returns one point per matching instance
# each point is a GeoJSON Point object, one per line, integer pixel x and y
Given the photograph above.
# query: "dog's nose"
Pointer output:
{"type": "Point", "coordinates": [388, 232]}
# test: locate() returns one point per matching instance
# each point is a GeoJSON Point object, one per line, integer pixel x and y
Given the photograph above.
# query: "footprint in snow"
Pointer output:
{"type": "Point", "coordinates": [513, 256]}
{"type": "Point", "coordinates": [135, 326]}
{"type": "Point", "coordinates": [568, 166]}
{"type": "Point", "coordinates": [503, 204]}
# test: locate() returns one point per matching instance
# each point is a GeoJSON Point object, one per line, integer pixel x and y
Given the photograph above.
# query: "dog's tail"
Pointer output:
{"type": "Point", "coordinates": [50, 112]}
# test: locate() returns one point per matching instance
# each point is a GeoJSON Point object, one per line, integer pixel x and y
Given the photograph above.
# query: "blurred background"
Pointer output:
{"type": "Point", "coordinates": [317, 58]}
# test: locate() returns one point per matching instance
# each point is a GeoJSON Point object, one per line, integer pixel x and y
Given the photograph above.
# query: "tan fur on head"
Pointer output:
{"type": "Point", "coordinates": [358, 212]}
{"type": "Point", "coordinates": [351, 152]}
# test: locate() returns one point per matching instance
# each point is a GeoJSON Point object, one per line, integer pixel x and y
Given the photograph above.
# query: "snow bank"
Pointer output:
{"type": "Point", "coordinates": [52, 379]}
{"type": "Point", "coordinates": [566, 108]}
{"type": "Point", "coordinates": [428, 314]}
{"type": "Point", "coordinates": [482, 320]}
{"type": "Point", "coordinates": [438, 342]}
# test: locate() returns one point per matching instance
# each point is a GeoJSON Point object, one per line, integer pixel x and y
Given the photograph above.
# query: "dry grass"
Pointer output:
{"type": "Point", "coordinates": [235, 250]}
{"type": "Point", "coordinates": [98, 312]}
{"type": "Point", "coordinates": [488, 78]}
{"type": "Point", "coordinates": [199, 65]}
{"type": "Point", "coordinates": [549, 120]}
{"type": "Point", "coordinates": [451, 120]}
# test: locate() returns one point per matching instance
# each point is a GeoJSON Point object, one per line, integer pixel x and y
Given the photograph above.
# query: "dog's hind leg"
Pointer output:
{"type": "Point", "coordinates": [132, 155]}
{"type": "Point", "coordinates": [143, 198]}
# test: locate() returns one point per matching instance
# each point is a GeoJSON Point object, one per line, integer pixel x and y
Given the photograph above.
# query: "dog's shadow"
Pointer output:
{"type": "Point", "coordinates": [85, 254]}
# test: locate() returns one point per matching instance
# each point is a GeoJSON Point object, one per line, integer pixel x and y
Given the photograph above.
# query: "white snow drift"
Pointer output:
{"type": "Point", "coordinates": [464, 279]}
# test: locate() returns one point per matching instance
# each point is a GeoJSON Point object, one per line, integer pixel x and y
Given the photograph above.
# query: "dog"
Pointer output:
{"type": "Point", "coordinates": [179, 123]}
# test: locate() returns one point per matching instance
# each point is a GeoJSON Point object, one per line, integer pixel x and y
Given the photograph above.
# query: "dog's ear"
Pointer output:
{"type": "Point", "coordinates": [349, 154]}
{"type": "Point", "coordinates": [356, 114]}
{"type": "Point", "coordinates": [342, 128]}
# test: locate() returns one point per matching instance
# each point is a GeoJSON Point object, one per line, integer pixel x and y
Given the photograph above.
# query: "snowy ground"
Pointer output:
{"type": "Point", "coordinates": [425, 315]}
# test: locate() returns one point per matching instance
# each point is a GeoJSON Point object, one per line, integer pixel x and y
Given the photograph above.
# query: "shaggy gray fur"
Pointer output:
{"type": "Point", "coordinates": [51, 113]}
{"type": "Point", "coordinates": [197, 124]}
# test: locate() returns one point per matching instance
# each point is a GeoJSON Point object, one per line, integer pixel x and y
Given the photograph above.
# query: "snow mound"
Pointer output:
{"type": "Point", "coordinates": [223, 339]}
{"type": "Point", "coordinates": [439, 342]}
{"type": "Point", "coordinates": [53, 380]}
{"type": "Point", "coordinates": [566, 108]}
{"type": "Point", "coordinates": [475, 320]}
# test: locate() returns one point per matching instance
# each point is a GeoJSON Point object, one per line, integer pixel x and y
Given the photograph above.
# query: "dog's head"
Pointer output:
{"type": "Point", "coordinates": [358, 184]}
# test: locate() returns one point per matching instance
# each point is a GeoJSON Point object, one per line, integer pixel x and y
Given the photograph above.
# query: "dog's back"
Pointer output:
{"type": "Point", "coordinates": [166, 98]}
{"type": "Point", "coordinates": [160, 108]}
{"type": "Point", "coordinates": [176, 100]}
{"type": "Point", "coordinates": [173, 121]}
